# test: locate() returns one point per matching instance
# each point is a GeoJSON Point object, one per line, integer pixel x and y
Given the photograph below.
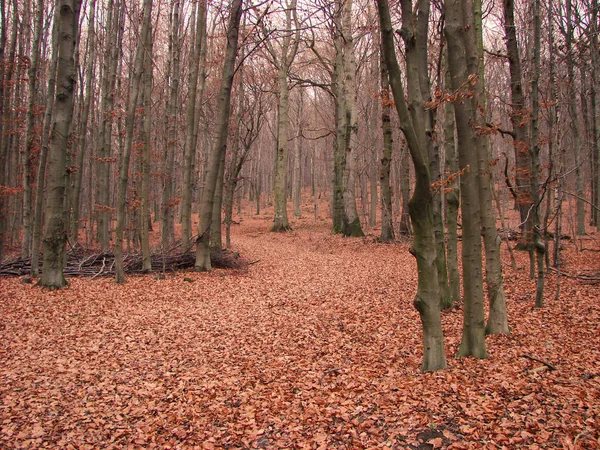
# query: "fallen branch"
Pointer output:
{"type": "Point", "coordinates": [327, 372]}
{"type": "Point", "coordinates": [101, 269]}
{"type": "Point", "coordinates": [541, 361]}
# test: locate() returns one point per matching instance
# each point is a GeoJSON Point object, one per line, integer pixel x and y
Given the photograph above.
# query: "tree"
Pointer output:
{"type": "Point", "coordinates": [124, 157]}
{"type": "Point", "coordinates": [167, 227]}
{"type": "Point", "coordinates": [196, 73]}
{"type": "Point", "coordinates": [459, 20]}
{"type": "Point", "coordinates": [219, 146]}
{"type": "Point", "coordinates": [427, 298]}
{"type": "Point", "coordinates": [387, 218]}
{"type": "Point", "coordinates": [104, 159]}
{"type": "Point", "coordinates": [87, 96]}
{"type": "Point", "coordinates": [30, 139]}
{"type": "Point", "coordinates": [55, 230]}
{"type": "Point", "coordinates": [348, 122]}
{"type": "Point", "coordinates": [283, 52]}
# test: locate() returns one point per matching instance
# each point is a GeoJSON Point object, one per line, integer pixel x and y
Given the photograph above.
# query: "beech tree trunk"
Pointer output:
{"type": "Point", "coordinates": [387, 217]}
{"type": "Point", "coordinates": [219, 147]}
{"type": "Point", "coordinates": [497, 320]}
{"type": "Point", "coordinates": [83, 125]}
{"type": "Point", "coordinates": [457, 26]}
{"type": "Point", "coordinates": [427, 299]}
{"type": "Point", "coordinates": [167, 226]}
{"type": "Point", "coordinates": [197, 65]}
{"type": "Point", "coordinates": [145, 157]}
{"type": "Point", "coordinates": [283, 58]}
{"type": "Point", "coordinates": [145, 39]}
{"type": "Point", "coordinates": [352, 226]}
{"type": "Point", "coordinates": [452, 197]}
{"type": "Point", "coordinates": [56, 228]}
{"type": "Point", "coordinates": [41, 175]}
{"type": "Point", "coordinates": [104, 159]}
{"type": "Point", "coordinates": [28, 163]}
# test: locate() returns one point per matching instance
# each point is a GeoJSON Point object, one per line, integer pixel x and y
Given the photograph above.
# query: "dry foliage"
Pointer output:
{"type": "Point", "coordinates": [316, 345]}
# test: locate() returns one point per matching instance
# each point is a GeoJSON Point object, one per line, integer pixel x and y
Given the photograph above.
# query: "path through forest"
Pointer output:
{"type": "Point", "coordinates": [317, 345]}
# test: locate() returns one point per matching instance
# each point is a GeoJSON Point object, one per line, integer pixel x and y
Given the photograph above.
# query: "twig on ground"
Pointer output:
{"type": "Point", "coordinates": [541, 361]}
{"type": "Point", "coordinates": [327, 372]}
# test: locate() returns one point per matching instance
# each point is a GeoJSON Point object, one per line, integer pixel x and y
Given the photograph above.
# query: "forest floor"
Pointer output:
{"type": "Point", "coordinates": [315, 345]}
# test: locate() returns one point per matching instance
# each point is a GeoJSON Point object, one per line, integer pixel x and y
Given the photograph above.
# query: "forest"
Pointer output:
{"type": "Point", "coordinates": [299, 224]}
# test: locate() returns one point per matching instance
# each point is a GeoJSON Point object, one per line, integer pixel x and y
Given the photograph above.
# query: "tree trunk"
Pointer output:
{"type": "Point", "coordinates": [297, 184]}
{"type": "Point", "coordinates": [145, 38]}
{"type": "Point", "coordinates": [104, 159]}
{"type": "Point", "coordinates": [167, 226]}
{"type": "Point", "coordinates": [572, 95]}
{"type": "Point", "coordinates": [452, 197]}
{"type": "Point", "coordinates": [2, 137]}
{"type": "Point", "coordinates": [197, 63]}
{"type": "Point", "coordinates": [55, 230]}
{"type": "Point", "coordinates": [404, 175]}
{"type": "Point", "coordinates": [473, 336]}
{"type": "Point", "coordinates": [387, 217]}
{"type": "Point", "coordinates": [28, 163]}
{"type": "Point", "coordinates": [83, 126]}
{"type": "Point", "coordinates": [538, 243]}
{"type": "Point", "coordinates": [41, 175]}
{"type": "Point", "coordinates": [352, 225]}
{"type": "Point", "coordinates": [283, 61]}
{"type": "Point", "coordinates": [203, 262]}
{"type": "Point", "coordinates": [145, 162]}
{"type": "Point", "coordinates": [497, 321]}
{"type": "Point", "coordinates": [427, 299]}
{"type": "Point", "coordinates": [520, 123]}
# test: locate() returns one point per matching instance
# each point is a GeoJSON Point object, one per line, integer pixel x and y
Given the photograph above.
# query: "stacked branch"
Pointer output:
{"type": "Point", "coordinates": [85, 264]}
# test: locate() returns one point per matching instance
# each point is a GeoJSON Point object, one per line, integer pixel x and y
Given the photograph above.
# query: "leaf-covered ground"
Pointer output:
{"type": "Point", "coordinates": [317, 345]}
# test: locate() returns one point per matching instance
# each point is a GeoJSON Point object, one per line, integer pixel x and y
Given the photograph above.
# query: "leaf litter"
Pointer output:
{"type": "Point", "coordinates": [315, 346]}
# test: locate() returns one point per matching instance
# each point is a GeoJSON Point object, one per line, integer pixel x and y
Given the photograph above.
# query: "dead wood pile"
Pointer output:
{"type": "Point", "coordinates": [84, 263]}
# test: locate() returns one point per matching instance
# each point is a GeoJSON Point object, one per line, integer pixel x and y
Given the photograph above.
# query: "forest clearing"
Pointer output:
{"type": "Point", "coordinates": [316, 345]}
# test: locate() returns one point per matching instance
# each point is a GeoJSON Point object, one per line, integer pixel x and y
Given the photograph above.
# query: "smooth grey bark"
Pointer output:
{"type": "Point", "coordinates": [6, 140]}
{"type": "Point", "coordinates": [452, 197]}
{"type": "Point", "coordinates": [125, 155]}
{"type": "Point", "coordinates": [427, 298]}
{"type": "Point", "coordinates": [282, 59]}
{"type": "Point", "coordinates": [219, 146]}
{"type": "Point", "coordinates": [572, 94]}
{"type": "Point", "coordinates": [28, 163]}
{"type": "Point", "coordinates": [497, 320]}
{"type": "Point", "coordinates": [167, 226]}
{"type": "Point", "coordinates": [352, 220]}
{"type": "Point", "coordinates": [404, 176]}
{"type": "Point", "coordinates": [145, 156]}
{"type": "Point", "coordinates": [595, 48]}
{"type": "Point", "coordinates": [456, 31]}
{"type": "Point", "coordinates": [104, 159]}
{"type": "Point", "coordinates": [520, 124]}
{"type": "Point", "coordinates": [56, 228]}
{"type": "Point", "coordinates": [196, 72]}
{"type": "Point", "coordinates": [387, 217]}
{"type": "Point", "coordinates": [89, 94]}
{"type": "Point", "coordinates": [534, 149]}
{"type": "Point", "coordinates": [297, 172]}
{"type": "Point", "coordinates": [41, 173]}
